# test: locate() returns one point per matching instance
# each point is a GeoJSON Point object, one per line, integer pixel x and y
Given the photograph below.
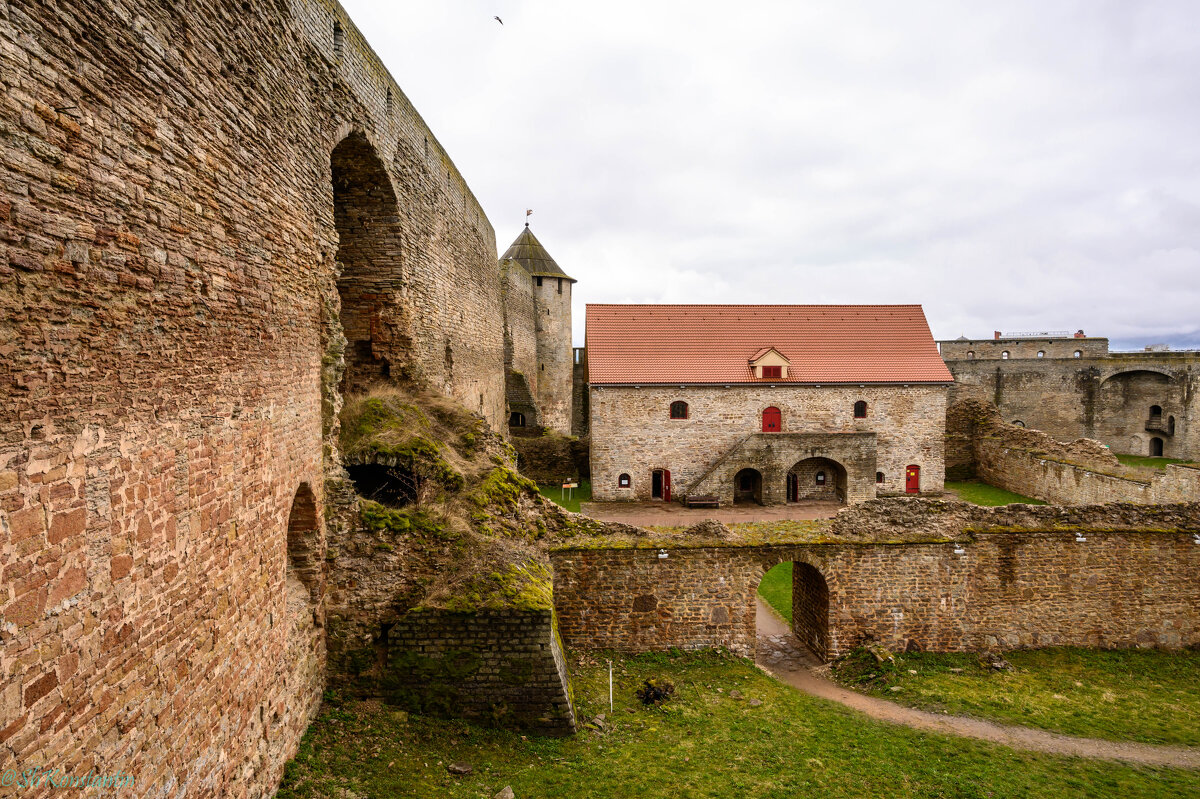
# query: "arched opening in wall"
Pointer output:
{"type": "Point", "coordinates": [394, 486]}
{"type": "Point", "coordinates": [1156, 447]}
{"type": "Point", "coordinates": [303, 547]}
{"type": "Point", "coordinates": [1155, 413]}
{"type": "Point", "coordinates": [817, 479]}
{"type": "Point", "coordinates": [367, 219]}
{"type": "Point", "coordinates": [747, 487]}
{"type": "Point", "coordinates": [1130, 404]}
{"type": "Point", "coordinates": [1170, 425]}
{"type": "Point", "coordinates": [1018, 423]}
{"type": "Point", "coordinates": [793, 600]}
{"type": "Point", "coordinates": [516, 419]}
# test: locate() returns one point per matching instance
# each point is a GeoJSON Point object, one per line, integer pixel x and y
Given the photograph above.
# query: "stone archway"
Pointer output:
{"type": "Point", "coordinates": [809, 603]}
{"type": "Point", "coordinates": [748, 487]}
{"type": "Point", "coordinates": [817, 479]}
{"type": "Point", "coordinates": [370, 253]}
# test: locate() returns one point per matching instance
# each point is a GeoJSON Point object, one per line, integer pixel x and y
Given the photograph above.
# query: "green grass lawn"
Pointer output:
{"type": "Point", "coordinates": [1146, 462]}
{"type": "Point", "coordinates": [558, 495]}
{"type": "Point", "coordinates": [984, 494]}
{"type": "Point", "coordinates": [776, 589]}
{"type": "Point", "coordinates": [1144, 695]}
{"type": "Point", "coordinates": [703, 743]}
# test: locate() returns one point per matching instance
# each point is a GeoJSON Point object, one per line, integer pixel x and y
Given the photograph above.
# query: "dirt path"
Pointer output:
{"type": "Point", "coordinates": [782, 656]}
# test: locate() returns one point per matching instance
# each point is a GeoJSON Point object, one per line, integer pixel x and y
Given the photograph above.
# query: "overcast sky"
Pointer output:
{"type": "Point", "coordinates": [1016, 166]}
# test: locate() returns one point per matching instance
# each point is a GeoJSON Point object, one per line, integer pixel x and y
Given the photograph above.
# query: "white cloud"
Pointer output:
{"type": "Point", "coordinates": [1024, 165]}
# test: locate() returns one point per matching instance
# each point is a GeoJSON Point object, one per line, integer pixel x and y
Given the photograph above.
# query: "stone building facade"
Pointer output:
{"type": "Point", "coordinates": [1141, 403]}
{"type": "Point", "coordinates": [213, 222]}
{"type": "Point", "coordinates": [537, 324]}
{"type": "Point", "coordinates": [844, 424]}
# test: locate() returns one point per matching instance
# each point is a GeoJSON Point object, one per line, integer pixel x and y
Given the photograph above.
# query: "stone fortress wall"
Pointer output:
{"type": "Point", "coordinates": [910, 574]}
{"type": "Point", "coordinates": [1098, 394]}
{"type": "Point", "coordinates": [175, 181]}
{"type": "Point", "coordinates": [632, 433]}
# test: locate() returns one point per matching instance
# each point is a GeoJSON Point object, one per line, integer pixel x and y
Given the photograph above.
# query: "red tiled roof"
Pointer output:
{"type": "Point", "coordinates": [714, 343]}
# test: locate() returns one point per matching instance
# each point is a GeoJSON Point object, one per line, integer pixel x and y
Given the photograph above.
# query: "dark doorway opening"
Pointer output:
{"type": "Point", "coordinates": [747, 487]}
{"type": "Point", "coordinates": [516, 419]}
{"type": "Point", "coordinates": [656, 484]}
{"type": "Point", "coordinates": [1156, 447]}
{"type": "Point", "coordinates": [388, 485]}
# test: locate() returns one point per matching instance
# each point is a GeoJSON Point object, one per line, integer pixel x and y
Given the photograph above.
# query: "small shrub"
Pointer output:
{"type": "Point", "coordinates": [655, 691]}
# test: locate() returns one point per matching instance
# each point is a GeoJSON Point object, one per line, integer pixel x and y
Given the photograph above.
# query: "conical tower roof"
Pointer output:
{"type": "Point", "coordinates": [529, 253]}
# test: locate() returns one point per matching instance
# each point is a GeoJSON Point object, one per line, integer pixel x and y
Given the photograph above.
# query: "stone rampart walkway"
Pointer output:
{"type": "Point", "coordinates": [782, 656]}
{"type": "Point", "coordinates": [672, 514]}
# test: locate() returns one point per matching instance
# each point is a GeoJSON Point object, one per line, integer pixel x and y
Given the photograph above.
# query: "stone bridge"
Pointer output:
{"type": "Point", "coordinates": [918, 575]}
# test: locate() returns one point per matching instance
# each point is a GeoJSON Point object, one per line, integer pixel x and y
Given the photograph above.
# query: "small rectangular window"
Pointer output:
{"type": "Point", "coordinates": [772, 372]}
{"type": "Point", "coordinates": [560, 285]}
{"type": "Point", "coordinates": [539, 280]}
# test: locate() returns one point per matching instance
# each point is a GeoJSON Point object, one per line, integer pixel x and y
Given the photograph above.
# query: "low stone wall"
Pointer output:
{"type": "Point", "coordinates": [495, 667]}
{"type": "Point", "coordinates": [1032, 463]}
{"type": "Point", "coordinates": [1107, 576]}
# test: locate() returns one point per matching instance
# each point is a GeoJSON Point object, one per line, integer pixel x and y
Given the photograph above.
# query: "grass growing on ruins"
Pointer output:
{"type": "Point", "coordinates": [1146, 462]}
{"type": "Point", "coordinates": [989, 495]}
{"type": "Point", "coordinates": [707, 741]}
{"type": "Point", "coordinates": [1123, 695]}
{"type": "Point", "coordinates": [776, 589]}
{"type": "Point", "coordinates": [558, 495]}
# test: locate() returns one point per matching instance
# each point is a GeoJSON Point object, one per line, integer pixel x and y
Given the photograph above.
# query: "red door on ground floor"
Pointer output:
{"type": "Point", "coordinates": [912, 479]}
{"type": "Point", "coordinates": [666, 485]}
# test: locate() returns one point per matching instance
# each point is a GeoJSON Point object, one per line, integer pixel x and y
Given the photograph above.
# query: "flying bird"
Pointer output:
{"type": "Point", "coordinates": [498, 20]}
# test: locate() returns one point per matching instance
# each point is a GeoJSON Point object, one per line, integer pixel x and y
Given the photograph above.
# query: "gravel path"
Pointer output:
{"type": "Point", "coordinates": [782, 656]}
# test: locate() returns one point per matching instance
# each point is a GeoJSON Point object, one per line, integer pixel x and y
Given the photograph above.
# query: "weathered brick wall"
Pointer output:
{"type": "Point", "coordinates": [1013, 585]}
{"type": "Point", "coordinates": [554, 354]}
{"type": "Point", "coordinates": [168, 300]}
{"type": "Point", "coordinates": [498, 667]}
{"type": "Point", "coordinates": [632, 432]}
{"type": "Point", "coordinates": [1102, 395]}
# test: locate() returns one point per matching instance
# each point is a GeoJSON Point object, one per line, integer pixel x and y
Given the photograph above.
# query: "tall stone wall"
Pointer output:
{"type": "Point", "coordinates": [580, 412]}
{"type": "Point", "coordinates": [632, 432]}
{"type": "Point", "coordinates": [520, 341]}
{"type": "Point", "coordinates": [554, 354]}
{"type": "Point", "coordinates": [1101, 395]}
{"type": "Point", "coordinates": [171, 334]}
{"type": "Point", "coordinates": [1105, 576]}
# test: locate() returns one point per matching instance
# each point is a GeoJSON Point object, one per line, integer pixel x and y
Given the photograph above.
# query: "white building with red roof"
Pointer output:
{"type": "Point", "coordinates": [764, 403]}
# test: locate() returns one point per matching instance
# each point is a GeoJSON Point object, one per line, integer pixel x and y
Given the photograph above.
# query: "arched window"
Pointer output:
{"type": "Point", "coordinates": [1170, 425]}
{"type": "Point", "coordinates": [860, 409]}
{"type": "Point", "coordinates": [1078, 353]}
{"type": "Point", "coordinates": [623, 481]}
{"type": "Point", "coordinates": [772, 420]}
{"type": "Point", "coordinates": [1156, 412]}
{"type": "Point", "coordinates": [1041, 353]}
{"type": "Point", "coordinates": [679, 409]}
{"type": "Point", "coordinates": [516, 419]}
{"type": "Point", "coordinates": [1004, 355]}
{"type": "Point", "coordinates": [970, 354]}
{"type": "Point", "coordinates": [1018, 423]}
{"type": "Point", "coordinates": [878, 477]}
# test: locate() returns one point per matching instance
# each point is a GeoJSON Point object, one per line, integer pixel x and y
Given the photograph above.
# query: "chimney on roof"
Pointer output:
{"type": "Point", "coordinates": [996, 334]}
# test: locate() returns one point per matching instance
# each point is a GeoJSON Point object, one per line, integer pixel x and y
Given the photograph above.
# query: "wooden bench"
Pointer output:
{"type": "Point", "coordinates": [702, 501]}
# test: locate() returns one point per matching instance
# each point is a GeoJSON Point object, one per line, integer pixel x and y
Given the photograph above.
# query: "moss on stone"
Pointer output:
{"type": "Point", "coordinates": [522, 586]}
{"type": "Point", "coordinates": [502, 488]}
{"type": "Point", "coordinates": [401, 521]}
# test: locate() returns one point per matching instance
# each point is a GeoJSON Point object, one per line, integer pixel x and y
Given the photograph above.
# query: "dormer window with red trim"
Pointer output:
{"type": "Point", "coordinates": [772, 372]}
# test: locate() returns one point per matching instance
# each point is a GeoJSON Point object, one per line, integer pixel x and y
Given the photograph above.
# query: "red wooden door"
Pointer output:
{"type": "Point", "coordinates": [912, 479]}
{"type": "Point", "coordinates": [666, 485]}
{"type": "Point", "coordinates": [772, 420]}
